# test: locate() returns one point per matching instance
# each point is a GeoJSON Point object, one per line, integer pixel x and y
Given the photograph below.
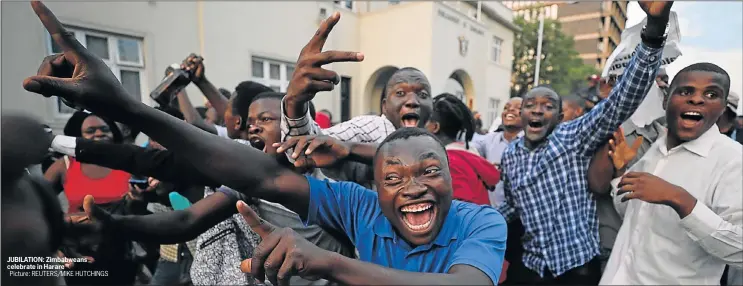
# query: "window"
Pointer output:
{"type": "Point", "coordinates": [493, 107]}
{"type": "Point", "coordinates": [122, 54]}
{"type": "Point", "coordinates": [272, 73]}
{"type": "Point", "coordinates": [345, 3]}
{"type": "Point", "coordinates": [497, 49]}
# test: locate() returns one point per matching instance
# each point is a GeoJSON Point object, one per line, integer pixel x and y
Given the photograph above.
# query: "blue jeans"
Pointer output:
{"type": "Point", "coordinates": [174, 273]}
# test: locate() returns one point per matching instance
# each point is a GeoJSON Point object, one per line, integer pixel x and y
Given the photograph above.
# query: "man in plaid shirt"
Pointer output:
{"type": "Point", "coordinates": [544, 172]}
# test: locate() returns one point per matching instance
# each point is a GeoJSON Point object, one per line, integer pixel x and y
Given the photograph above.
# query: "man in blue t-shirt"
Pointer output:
{"type": "Point", "coordinates": [410, 231]}
{"type": "Point", "coordinates": [410, 224]}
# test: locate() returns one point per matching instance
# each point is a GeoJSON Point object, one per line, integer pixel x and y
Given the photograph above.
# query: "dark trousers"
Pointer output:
{"type": "Point", "coordinates": [586, 274]}
{"type": "Point", "coordinates": [174, 273]}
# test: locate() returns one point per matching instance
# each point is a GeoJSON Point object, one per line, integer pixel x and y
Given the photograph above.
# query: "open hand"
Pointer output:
{"type": "Point", "coordinates": [309, 77]}
{"type": "Point", "coordinates": [282, 253]}
{"type": "Point", "coordinates": [621, 153]}
{"type": "Point", "coordinates": [319, 151]}
{"type": "Point", "coordinates": [195, 65]}
{"type": "Point", "coordinates": [76, 75]}
{"type": "Point", "coordinates": [649, 188]}
{"type": "Point", "coordinates": [656, 9]}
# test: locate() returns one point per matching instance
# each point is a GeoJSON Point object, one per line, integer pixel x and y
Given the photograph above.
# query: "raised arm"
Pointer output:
{"type": "Point", "coordinates": [191, 115]}
{"type": "Point", "coordinates": [593, 128]}
{"type": "Point", "coordinates": [86, 80]}
{"type": "Point", "coordinates": [195, 63]}
{"type": "Point", "coordinates": [163, 165]}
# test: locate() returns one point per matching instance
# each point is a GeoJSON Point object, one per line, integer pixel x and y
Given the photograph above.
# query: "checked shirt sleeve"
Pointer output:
{"type": "Point", "coordinates": [593, 129]}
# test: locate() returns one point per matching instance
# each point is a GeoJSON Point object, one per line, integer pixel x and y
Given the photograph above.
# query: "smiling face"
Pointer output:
{"type": "Point", "coordinates": [540, 113]}
{"type": "Point", "coordinates": [696, 100]}
{"type": "Point", "coordinates": [414, 187]}
{"type": "Point", "coordinates": [511, 115]}
{"type": "Point", "coordinates": [264, 124]}
{"type": "Point", "coordinates": [94, 128]}
{"type": "Point", "coordinates": [408, 102]}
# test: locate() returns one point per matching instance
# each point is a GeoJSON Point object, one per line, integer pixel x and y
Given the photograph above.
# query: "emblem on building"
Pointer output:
{"type": "Point", "coordinates": [463, 45]}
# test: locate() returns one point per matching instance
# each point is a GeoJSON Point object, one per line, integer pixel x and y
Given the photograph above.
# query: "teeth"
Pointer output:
{"type": "Point", "coordinates": [418, 227]}
{"type": "Point", "coordinates": [416, 208]}
{"type": "Point", "coordinates": [510, 116]}
{"type": "Point", "coordinates": [692, 113]}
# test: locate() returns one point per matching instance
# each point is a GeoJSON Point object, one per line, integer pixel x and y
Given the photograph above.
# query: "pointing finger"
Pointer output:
{"type": "Point", "coordinates": [318, 40]}
{"type": "Point", "coordinates": [337, 57]}
{"type": "Point", "coordinates": [260, 226]}
{"type": "Point", "coordinates": [64, 39]}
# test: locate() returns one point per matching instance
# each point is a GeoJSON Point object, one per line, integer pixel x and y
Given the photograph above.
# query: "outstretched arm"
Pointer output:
{"type": "Point", "coordinates": [168, 227]}
{"type": "Point", "coordinates": [83, 78]}
{"type": "Point", "coordinates": [163, 165]}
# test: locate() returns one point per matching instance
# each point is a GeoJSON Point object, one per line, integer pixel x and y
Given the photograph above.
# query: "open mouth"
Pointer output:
{"type": "Point", "coordinates": [410, 120]}
{"type": "Point", "coordinates": [418, 217]}
{"type": "Point", "coordinates": [691, 118]}
{"type": "Point", "coordinates": [258, 143]}
{"type": "Point", "coordinates": [510, 116]}
{"type": "Point", "coordinates": [535, 125]}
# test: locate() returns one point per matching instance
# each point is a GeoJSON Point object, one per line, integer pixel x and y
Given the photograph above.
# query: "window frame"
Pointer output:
{"type": "Point", "coordinates": [494, 47]}
{"type": "Point", "coordinates": [492, 111]}
{"type": "Point", "coordinates": [113, 62]}
{"type": "Point", "coordinates": [284, 76]}
{"type": "Point", "coordinates": [344, 4]}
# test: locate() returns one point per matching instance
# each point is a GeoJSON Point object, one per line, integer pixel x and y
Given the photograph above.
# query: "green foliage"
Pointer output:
{"type": "Point", "coordinates": [561, 67]}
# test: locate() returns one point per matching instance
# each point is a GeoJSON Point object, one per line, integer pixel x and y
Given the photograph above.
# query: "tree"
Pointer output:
{"type": "Point", "coordinates": [561, 68]}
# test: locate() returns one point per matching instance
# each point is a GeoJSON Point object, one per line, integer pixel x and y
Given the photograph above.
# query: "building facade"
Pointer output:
{"type": "Point", "coordinates": [463, 47]}
{"type": "Point", "coordinates": [596, 26]}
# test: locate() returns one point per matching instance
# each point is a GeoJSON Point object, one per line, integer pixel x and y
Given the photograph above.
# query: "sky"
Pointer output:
{"type": "Point", "coordinates": [711, 31]}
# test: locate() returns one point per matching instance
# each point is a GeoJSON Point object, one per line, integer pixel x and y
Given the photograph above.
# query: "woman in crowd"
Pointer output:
{"type": "Point", "coordinates": [77, 179]}
{"type": "Point", "coordinates": [471, 174]}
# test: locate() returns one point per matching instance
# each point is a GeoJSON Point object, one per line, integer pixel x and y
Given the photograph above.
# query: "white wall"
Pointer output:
{"type": "Point", "coordinates": [166, 41]}
{"type": "Point", "coordinates": [498, 74]}
{"type": "Point", "coordinates": [446, 57]}
{"type": "Point", "coordinates": [399, 36]}
{"type": "Point", "coordinates": [237, 31]}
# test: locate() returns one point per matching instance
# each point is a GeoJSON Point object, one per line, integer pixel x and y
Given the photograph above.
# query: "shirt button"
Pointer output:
{"type": "Point", "coordinates": [652, 58]}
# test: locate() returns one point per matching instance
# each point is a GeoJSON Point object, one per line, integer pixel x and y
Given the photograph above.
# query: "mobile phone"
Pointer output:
{"type": "Point", "coordinates": [141, 183]}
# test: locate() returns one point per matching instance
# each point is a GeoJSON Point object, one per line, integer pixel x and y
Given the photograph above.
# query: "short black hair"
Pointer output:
{"type": "Point", "coordinates": [226, 93]}
{"type": "Point", "coordinates": [269, 94]}
{"type": "Point", "coordinates": [244, 94]}
{"type": "Point", "coordinates": [405, 133]}
{"type": "Point", "coordinates": [202, 111]}
{"type": "Point", "coordinates": [171, 111]}
{"type": "Point", "coordinates": [454, 117]}
{"type": "Point", "coordinates": [405, 69]}
{"type": "Point", "coordinates": [704, 67]}
{"type": "Point", "coordinates": [575, 99]}
{"type": "Point", "coordinates": [546, 87]}
{"type": "Point", "coordinates": [73, 126]}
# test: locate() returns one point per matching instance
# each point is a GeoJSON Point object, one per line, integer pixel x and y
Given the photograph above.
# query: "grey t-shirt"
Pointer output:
{"type": "Point", "coordinates": [280, 216]}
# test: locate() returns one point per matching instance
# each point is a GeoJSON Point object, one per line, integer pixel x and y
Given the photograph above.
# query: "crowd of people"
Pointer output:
{"type": "Point", "coordinates": [258, 188]}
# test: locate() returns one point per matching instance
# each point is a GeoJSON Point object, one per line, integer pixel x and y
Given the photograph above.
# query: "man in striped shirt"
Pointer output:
{"type": "Point", "coordinates": [406, 102]}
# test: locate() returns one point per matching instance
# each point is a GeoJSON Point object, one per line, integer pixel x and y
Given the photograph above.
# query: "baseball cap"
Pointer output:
{"type": "Point", "coordinates": [733, 99]}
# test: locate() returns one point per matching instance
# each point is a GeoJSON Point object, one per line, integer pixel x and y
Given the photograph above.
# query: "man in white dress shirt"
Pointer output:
{"type": "Point", "coordinates": [682, 202]}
